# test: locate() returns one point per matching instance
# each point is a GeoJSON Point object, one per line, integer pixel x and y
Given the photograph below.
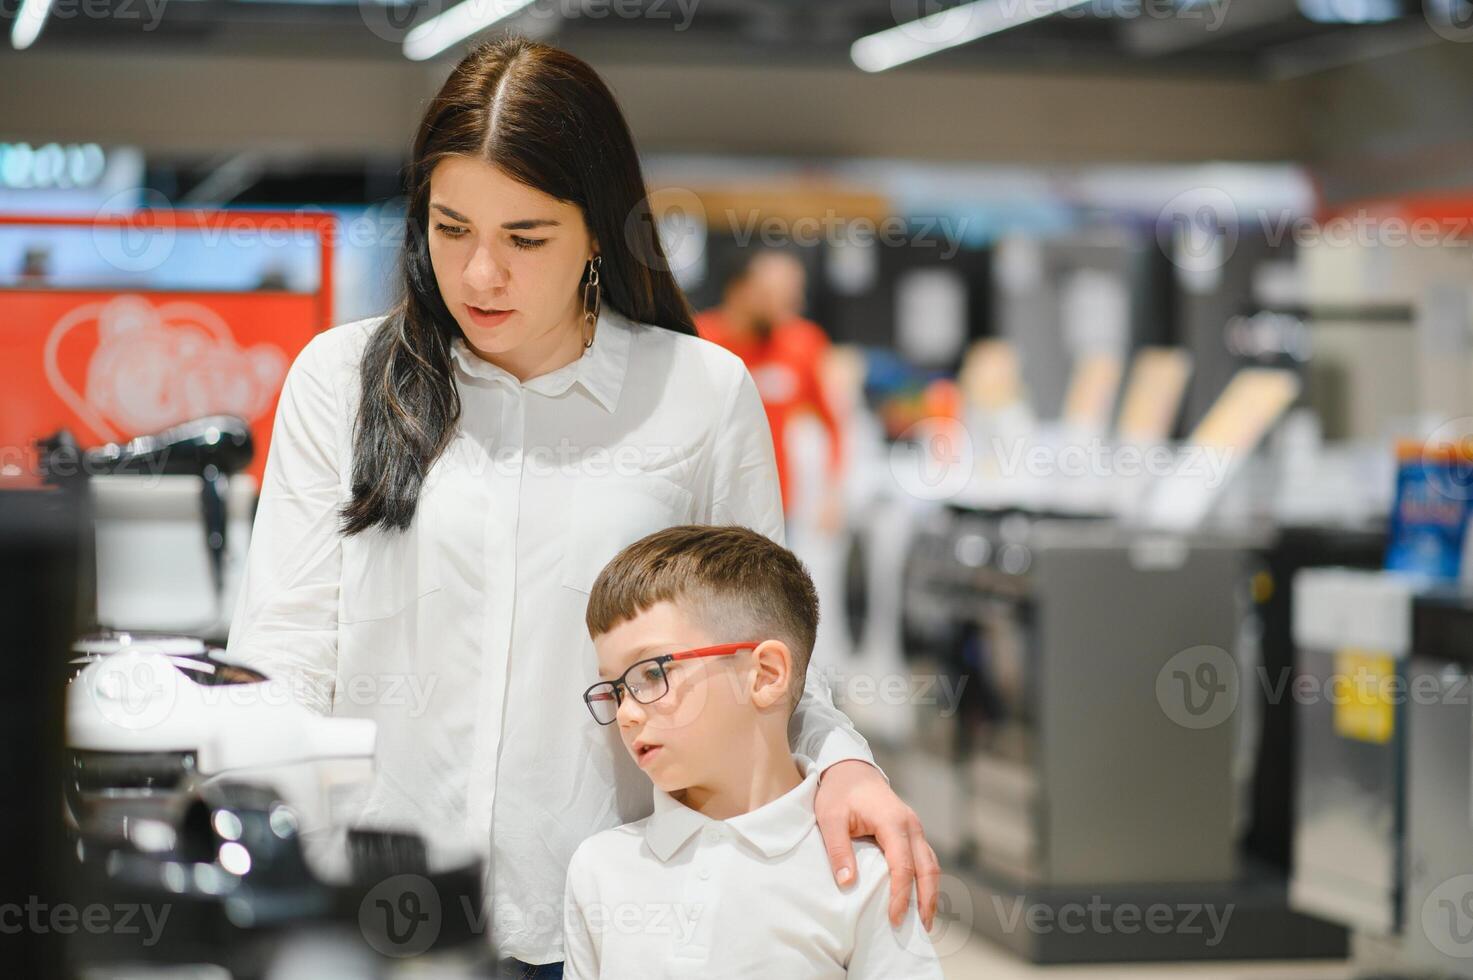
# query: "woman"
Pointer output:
{"type": "Point", "coordinates": [445, 482]}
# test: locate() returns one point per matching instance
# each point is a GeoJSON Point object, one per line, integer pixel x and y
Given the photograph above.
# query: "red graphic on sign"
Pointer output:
{"type": "Point", "coordinates": [110, 367]}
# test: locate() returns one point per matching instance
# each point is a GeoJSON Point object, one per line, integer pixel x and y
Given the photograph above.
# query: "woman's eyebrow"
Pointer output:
{"type": "Point", "coordinates": [454, 215]}
{"type": "Point", "coordinates": [522, 225]}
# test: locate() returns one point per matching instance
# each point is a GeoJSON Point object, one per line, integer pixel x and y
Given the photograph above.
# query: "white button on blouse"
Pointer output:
{"type": "Point", "coordinates": [463, 637]}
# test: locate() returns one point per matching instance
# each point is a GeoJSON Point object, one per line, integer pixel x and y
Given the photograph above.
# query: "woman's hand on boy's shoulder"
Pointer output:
{"type": "Point", "coordinates": [855, 800]}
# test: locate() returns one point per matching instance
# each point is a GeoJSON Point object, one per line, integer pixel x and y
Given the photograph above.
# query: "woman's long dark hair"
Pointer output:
{"type": "Point", "coordinates": [546, 119]}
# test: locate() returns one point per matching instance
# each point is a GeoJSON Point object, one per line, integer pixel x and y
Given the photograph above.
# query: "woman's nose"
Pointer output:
{"type": "Point", "coordinates": [483, 273]}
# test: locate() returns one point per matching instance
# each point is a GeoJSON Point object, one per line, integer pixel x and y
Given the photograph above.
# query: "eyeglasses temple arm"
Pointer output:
{"type": "Point", "coordinates": [715, 651]}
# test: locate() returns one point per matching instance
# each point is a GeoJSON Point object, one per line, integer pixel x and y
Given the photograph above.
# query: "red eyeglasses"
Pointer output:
{"type": "Point", "coordinates": [645, 680]}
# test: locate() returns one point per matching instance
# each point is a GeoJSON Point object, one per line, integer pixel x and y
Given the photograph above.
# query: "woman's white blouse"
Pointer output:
{"type": "Point", "coordinates": [464, 637]}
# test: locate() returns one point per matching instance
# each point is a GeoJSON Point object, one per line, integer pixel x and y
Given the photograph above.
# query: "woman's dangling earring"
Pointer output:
{"type": "Point", "coordinates": [592, 298]}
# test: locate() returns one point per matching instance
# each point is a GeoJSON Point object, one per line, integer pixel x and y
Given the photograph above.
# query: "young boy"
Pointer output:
{"type": "Point", "coordinates": [703, 636]}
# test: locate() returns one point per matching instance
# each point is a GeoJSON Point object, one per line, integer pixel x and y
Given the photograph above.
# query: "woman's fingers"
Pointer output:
{"type": "Point", "coordinates": [928, 876]}
{"type": "Point", "coordinates": [834, 829]}
{"type": "Point", "coordinates": [895, 841]}
{"type": "Point", "coordinates": [866, 809]}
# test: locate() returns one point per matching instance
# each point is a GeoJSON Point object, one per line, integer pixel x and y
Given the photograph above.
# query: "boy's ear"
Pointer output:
{"type": "Point", "coordinates": [772, 674]}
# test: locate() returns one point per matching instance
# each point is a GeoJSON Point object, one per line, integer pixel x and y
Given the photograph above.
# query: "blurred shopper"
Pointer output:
{"type": "Point", "coordinates": [445, 482]}
{"type": "Point", "coordinates": [759, 320]}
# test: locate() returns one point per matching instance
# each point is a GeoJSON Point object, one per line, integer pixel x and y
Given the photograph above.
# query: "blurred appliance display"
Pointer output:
{"type": "Point", "coordinates": [1352, 633]}
{"type": "Point", "coordinates": [1238, 308]}
{"type": "Point", "coordinates": [203, 787]}
{"type": "Point", "coordinates": [1219, 447]}
{"type": "Point", "coordinates": [1383, 837]}
{"type": "Point", "coordinates": [1062, 300]}
{"type": "Point", "coordinates": [225, 877]}
{"type": "Point", "coordinates": [1098, 730]}
{"type": "Point", "coordinates": [173, 514]}
{"type": "Point", "coordinates": [1292, 548]}
{"type": "Point", "coordinates": [1439, 790]}
{"type": "Point", "coordinates": [154, 713]}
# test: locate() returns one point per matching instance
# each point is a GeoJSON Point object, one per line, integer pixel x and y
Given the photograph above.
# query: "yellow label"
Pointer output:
{"type": "Point", "coordinates": [1362, 693]}
{"type": "Point", "coordinates": [1263, 587]}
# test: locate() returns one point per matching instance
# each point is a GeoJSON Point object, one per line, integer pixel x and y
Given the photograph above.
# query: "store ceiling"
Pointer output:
{"type": "Point", "coordinates": [1251, 37]}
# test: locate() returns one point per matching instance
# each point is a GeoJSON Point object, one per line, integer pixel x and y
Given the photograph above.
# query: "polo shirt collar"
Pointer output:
{"type": "Point", "coordinates": [773, 828]}
{"type": "Point", "coordinates": [600, 370]}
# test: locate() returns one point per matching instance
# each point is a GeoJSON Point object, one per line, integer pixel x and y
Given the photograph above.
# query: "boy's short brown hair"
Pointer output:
{"type": "Point", "coordinates": [735, 583]}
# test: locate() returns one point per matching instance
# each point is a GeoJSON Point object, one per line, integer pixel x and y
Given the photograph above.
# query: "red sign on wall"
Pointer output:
{"type": "Point", "coordinates": [109, 364]}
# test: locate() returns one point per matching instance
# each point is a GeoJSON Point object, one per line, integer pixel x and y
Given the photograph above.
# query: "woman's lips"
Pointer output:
{"type": "Point", "coordinates": [645, 753]}
{"type": "Point", "coordinates": [487, 318]}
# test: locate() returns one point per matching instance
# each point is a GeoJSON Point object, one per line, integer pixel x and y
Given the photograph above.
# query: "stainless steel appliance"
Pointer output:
{"type": "Point", "coordinates": [1352, 632]}
{"type": "Point", "coordinates": [1098, 735]}
{"type": "Point", "coordinates": [1439, 786]}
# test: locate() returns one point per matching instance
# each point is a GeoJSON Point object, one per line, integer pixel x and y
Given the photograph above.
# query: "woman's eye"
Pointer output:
{"type": "Point", "coordinates": [527, 243]}
{"type": "Point", "coordinates": [450, 231]}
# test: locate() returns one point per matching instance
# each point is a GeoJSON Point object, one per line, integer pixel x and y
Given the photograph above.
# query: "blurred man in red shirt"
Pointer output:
{"type": "Point", "coordinates": [759, 321]}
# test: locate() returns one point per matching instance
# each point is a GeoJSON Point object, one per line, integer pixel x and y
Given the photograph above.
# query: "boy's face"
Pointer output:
{"type": "Point", "coordinates": [708, 711]}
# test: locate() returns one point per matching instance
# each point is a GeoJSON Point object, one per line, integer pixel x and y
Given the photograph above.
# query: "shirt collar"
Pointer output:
{"type": "Point", "coordinates": [773, 828]}
{"type": "Point", "coordinates": [600, 370]}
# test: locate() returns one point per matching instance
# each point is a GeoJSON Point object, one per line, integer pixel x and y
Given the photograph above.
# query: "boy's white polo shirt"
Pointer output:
{"type": "Point", "coordinates": [679, 894]}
